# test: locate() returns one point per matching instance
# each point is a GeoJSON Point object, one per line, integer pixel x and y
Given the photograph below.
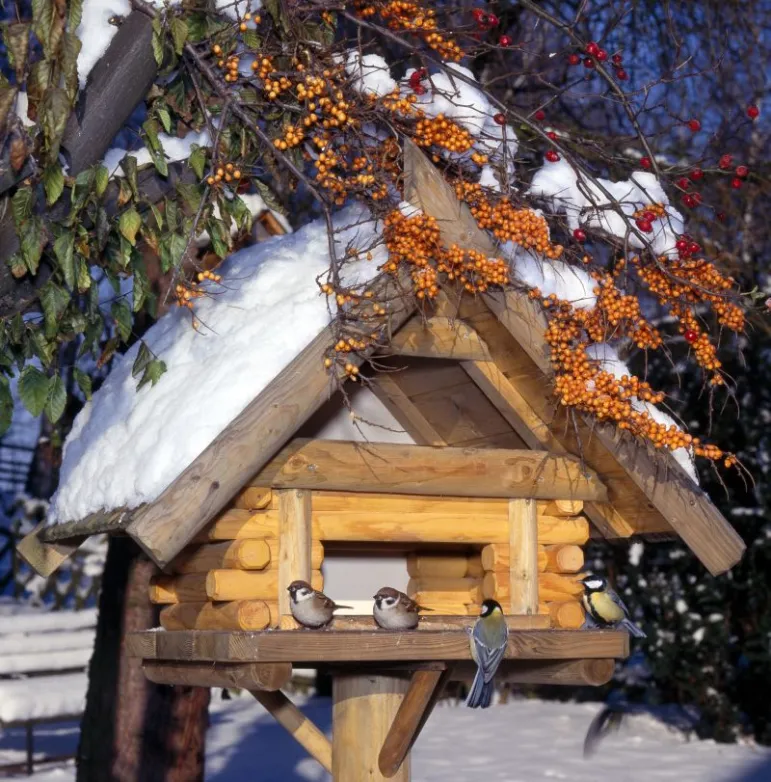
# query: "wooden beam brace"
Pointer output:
{"type": "Point", "coordinates": [438, 337]}
{"type": "Point", "coordinates": [294, 547]}
{"type": "Point", "coordinates": [425, 688]}
{"type": "Point", "coordinates": [415, 469]}
{"type": "Point", "coordinates": [302, 730]}
{"type": "Point", "coordinates": [44, 558]}
{"type": "Point", "coordinates": [246, 676]}
{"type": "Point", "coordinates": [523, 557]}
{"type": "Point", "coordinates": [386, 388]}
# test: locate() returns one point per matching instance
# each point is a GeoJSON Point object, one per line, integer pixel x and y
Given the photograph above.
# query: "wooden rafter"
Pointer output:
{"type": "Point", "coordinates": [438, 337]}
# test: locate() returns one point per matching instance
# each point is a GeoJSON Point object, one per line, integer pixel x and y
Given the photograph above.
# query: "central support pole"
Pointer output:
{"type": "Point", "coordinates": [363, 712]}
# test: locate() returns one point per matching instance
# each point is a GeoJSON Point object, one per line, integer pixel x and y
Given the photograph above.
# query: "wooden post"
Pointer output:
{"type": "Point", "coordinates": [294, 547]}
{"type": "Point", "coordinates": [523, 557]}
{"type": "Point", "coordinates": [364, 710]}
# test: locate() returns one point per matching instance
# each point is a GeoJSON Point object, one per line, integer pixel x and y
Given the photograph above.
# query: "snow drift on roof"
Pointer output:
{"type": "Point", "coordinates": [127, 446]}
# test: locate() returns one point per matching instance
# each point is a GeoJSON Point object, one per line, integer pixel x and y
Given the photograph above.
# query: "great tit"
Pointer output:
{"type": "Point", "coordinates": [394, 610]}
{"type": "Point", "coordinates": [310, 607]}
{"type": "Point", "coordinates": [488, 639]}
{"type": "Point", "coordinates": [605, 607]}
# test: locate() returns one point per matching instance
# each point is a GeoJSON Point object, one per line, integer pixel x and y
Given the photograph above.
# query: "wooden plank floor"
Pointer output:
{"type": "Point", "coordinates": [331, 646]}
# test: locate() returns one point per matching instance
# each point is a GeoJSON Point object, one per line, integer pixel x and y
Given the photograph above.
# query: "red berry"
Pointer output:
{"type": "Point", "coordinates": [505, 40]}
{"type": "Point", "coordinates": [644, 225]}
{"type": "Point", "coordinates": [574, 59]}
{"type": "Point", "coordinates": [694, 125]}
{"type": "Point", "coordinates": [697, 198]}
{"type": "Point", "coordinates": [492, 20]}
{"type": "Point", "coordinates": [696, 174]}
{"type": "Point", "coordinates": [649, 216]}
{"type": "Point", "coordinates": [479, 15]}
{"type": "Point", "coordinates": [693, 248]}
{"type": "Point", "coordinates": [683, 183]}
{"type": "Point", "coordinates": [499, 118]}
{"type": "Point", "coordinates": [726, 161]}
{"type": "Point", "coordinates": [690, 200]}
{"type": "Point", "coordinates": [720, 216]}
{"type": "Point", "coordinates": [552, 156]}
{"type": "Point", "coordinates": [579, 235]}
{"type": "Point", "coordinates": [690, 336]}
{"type": "Point", "coordinates": [588, 62]}
{"type": "Point", "coordinates": [645, 162]}
{"type": "Point", "coordinates": [742, 171]}
{"type": "Point", "coordinates": [602, 55]}
{"type": "Point", "coordinates": [736, 183]}
{"type": "Point", "coordinates": [592, 48]}
{"type": "Point", "coordinates": [552, 135]}
{"type": "Point", "coordinates": [622, 75]}
{"type": "Point", "coordinates": [418, 89]}
{"type": "Point", "coordinates": [540, 115]}
{"type": "Point", "coordinates": [682, 246]}
{"type": "Point", "coordinates": [617, 59]}
{"type": "Point", "coordinates": [753, 112]}
{"type": "Point", "coordinates": [414, 79]}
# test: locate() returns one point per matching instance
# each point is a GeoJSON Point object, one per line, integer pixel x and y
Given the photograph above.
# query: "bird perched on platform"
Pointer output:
{"type": "Point", "coordinates": [605, 608]}
{"type": "Point", "coordinates": [489, 638]}
{"type": "Point", "coordinates": [393, 610]}
{"type": "Point", "coordinates": [310, 607]}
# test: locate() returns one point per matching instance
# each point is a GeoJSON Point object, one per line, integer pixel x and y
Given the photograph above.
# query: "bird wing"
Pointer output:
{"type": "Point", "coordinates": [408, 604]}
{"type": "Point", "coordinates": [615, 597]}
{"type": "Point", "coordinates": [488, 648]}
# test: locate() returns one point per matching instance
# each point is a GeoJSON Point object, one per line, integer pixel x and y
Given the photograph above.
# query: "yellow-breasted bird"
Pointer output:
{"type": "Point", "coordinates": [488, 639]}
{"type": "Point", "coordinates": [605, 607]}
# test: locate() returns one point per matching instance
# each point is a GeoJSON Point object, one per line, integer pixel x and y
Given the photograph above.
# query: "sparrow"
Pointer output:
{"type": "Point", "coordinates": [605, 607]}
{"type": "Point", "coordinates": [488, 638]}
{"type": "Point", "coordinates": [393, 610]}
{"type": "Point", "coordinates": [310, 607]}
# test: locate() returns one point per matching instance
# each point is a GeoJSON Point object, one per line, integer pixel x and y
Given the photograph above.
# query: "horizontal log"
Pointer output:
{"type": "Point", "coordinates": [435, 621]}
{"type": "Point", "coordinates": [420, 565]}
{"type": "Point", "coordinates": [551, 586]}
{"type": "Point", "coordinates": [569, 614]}
{"type": "Point", "coordinates": [247, 676]}
{"type": "Point", "coordinates": [575, 673]}
{"type": "Point", "coordinates": [439, 337]}
{"type": "Point", "coordinates": [561, 507]}
{"type": "Point", "coordinates": [462, 590]}
{"type": "Point", "coordinates": [566, 558]}
{"type": "Point", "coordinates": [235, 615]}
{"type": "Point", "coordinates": [553, 530]}
{"type": "Point", "coordinates": [240, 524]}
{"type": "Point", "coordinates": [445, 603]}
{"type": "Point", "coordinates": [219, 585]}
{"type": "Point", "coordinates": [357, 646]}
{"type": "Point", "coordinates": [235, 554]}
{"type": "Point", "coordinates": [426, 470]}
{"type": "Point", "coordinates": [254, 498]}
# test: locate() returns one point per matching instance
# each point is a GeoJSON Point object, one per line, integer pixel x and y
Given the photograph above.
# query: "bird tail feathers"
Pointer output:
{"type": "Point", "coordinates": [481, 693]}
{"type": "Point", "coordinates": [632, 629]}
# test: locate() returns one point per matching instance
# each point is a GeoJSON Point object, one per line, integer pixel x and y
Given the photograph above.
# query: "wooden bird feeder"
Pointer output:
{"type": "Point", "coordinates": [495, 499]}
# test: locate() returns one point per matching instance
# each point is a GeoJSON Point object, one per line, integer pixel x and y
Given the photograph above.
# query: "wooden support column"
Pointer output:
{"type": "Point", "coordinates": [364, 710]}
{"type": "Point", "coordinates": [425, 688]}
{"type": "Point", "coordinates": [294, 547]}
{"type": "Point", "coordinates": [523, 557]}
{"type": "Point", "coordinates": [302, 729]}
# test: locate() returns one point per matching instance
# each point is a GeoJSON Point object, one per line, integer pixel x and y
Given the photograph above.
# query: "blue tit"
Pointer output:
{"type": "Point", "coordinates": [488, 638]}
{"type": "Point", "coordinates": [606, 608]}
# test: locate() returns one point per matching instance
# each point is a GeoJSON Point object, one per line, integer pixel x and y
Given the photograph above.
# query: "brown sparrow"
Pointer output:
{"type": "Point", "coordinates": [310, 607]}
{"type": "Point", "coordinates": [394, 610]}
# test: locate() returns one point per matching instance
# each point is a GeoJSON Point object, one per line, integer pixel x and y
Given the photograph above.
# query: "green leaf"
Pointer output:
{"type": "Point", "coordinates": [251, 39]}
{"type": "Point", "coordinates": [76, 14]}
{"type": "Point", "coordinates": [164, 116]}
{"type": "Point", "coordinates": [22, 202]}
{"type": "Point", "coordinates": [68, 60]}
{"type": "Point", "coordinates": [157, 41]}
{"type": "Point", "coordinates": [144, 357]}
{"type": "Point", "coordinates": [54, 300]}
{"type": "Point", "coordinates": [56, 401]}
{"type": "Point", "coordinates": [122, 316]}
{"type": "Point", "coordinates": [33, 389]}
{"type": "Point", "coordinates": [220, 237]}
{"type": "Point", "coordinates": [177, 245]}
{"type": "Point", "coordinates": [179, 34]}
{"type": "Point", "coordinates": [269, 197]}
{"type": "Point", "coordinates": [129, 166]}
{"type": "Point", "coordinates": [84, 276]}
{"type": "Point", "coordinates": [7, 99]}
{"type": "Point", "coordinates": [101, 180]}
{"type": "Point", "coordinates": [64, 249]}
{"type": "Point", "coordinates": [17, 266]}
{"type": "Point", "coordinates": [43, 349]}
{"type": "Point", "coordinates": [129, 224]}
{"type": "Point", "coordinates": [33, 239]}
{"type": "Point", "coordinates": [6, 406]}
{"type": "Point", "coordinates": [197, 160]}
{"type": "Point", "coordinates": [159, 161]}
{"type": "Point", "coordinates": [16, 40]}
{"type": "Point", "coordinates": [54, 115]}
{"type": "Point", "coordinates": [53, 182]}
{"type": "Point", "coordinates": [83, 381]}
{"type": "Point", "coordinates": [157, 215]}
{"type": "Point", "coordinates": [152, 373]}
{"type": "Point", "coordinates": [84, 183]}
{"type": "Point", "coordinates": [40, 74]}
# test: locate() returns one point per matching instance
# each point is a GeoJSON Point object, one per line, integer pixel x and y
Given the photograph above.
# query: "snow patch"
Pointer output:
{"type": "Point", "coordinates": [369, 73]}
{"type": "Point", "coordinates": [174, 149]}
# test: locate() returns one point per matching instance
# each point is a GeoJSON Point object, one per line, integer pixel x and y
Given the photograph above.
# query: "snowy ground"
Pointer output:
{"type": "Point", "coordinates": [523, 741]}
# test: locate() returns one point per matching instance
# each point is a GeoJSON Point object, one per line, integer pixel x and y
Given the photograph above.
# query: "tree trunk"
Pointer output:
{"type": "Point", "coordinates": [132, 730]}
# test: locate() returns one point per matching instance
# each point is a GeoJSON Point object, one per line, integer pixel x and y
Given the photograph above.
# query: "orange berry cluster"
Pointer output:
{"type": "Point", "coordinates": [414, 242]}
{"type": "Point", "coordinates": [228, 172]}
{"type": "Point", "coordinates": [263, 67]}
{"type": "Point", "coordinates": [185, 293]}
{"type": "Point", "coordinates": [408, 16]}
{"type": "Point", "coordinates": [507, 223]}
{"type": "Point", "coordinates": [442, 132]}
{"type": "Point", "coordinates": [659, 210]}
{"type": "Point", "coordinates": [247, 18]}
{"type": "Point", "coordinates": [229, 64]}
